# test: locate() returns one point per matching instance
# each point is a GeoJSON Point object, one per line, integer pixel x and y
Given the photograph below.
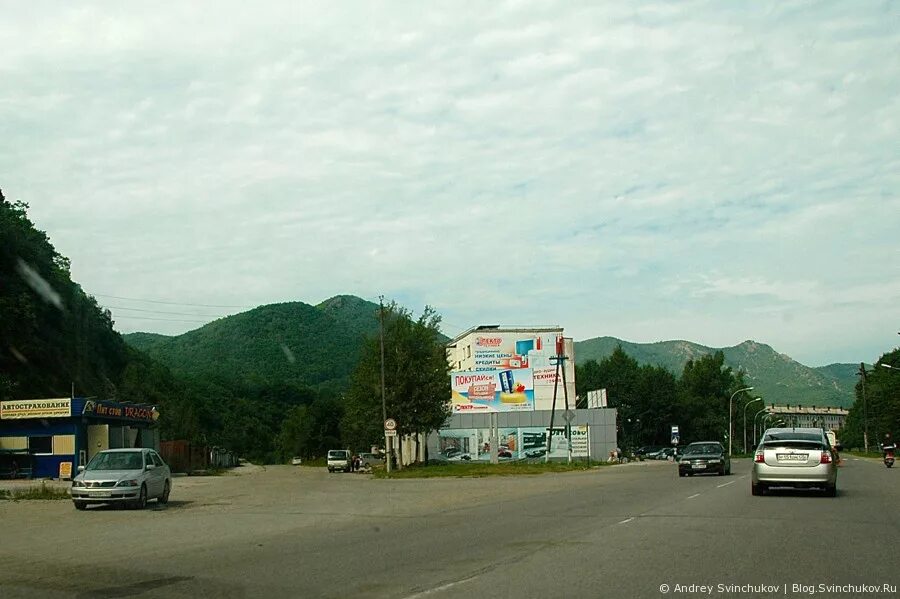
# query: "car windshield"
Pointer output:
{"type": "Point", "coordinates": [337, 455]}
{"type": "Point", "coordinates": [704, 448]}
{"type": "Point", "coordinates": [118, 460]}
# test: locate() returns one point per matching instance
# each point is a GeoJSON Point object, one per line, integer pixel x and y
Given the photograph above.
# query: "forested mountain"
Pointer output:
{"type": "Point", "coordinates": [291, 344]}
{"type": "Point", "coordinates": [53, 336]}
{"type": "Point", "coordinates": [776, 377]}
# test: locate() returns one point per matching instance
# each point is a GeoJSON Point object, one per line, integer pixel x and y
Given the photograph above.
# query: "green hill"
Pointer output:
{"type": "Point", "coordinates": [776, 377]}
{"type": "Point", "coordinates": [143, 341]}
{"type": "Point", "coordinates": [278, 344]}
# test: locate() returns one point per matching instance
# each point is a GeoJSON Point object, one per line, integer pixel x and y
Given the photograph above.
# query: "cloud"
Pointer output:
{"type": "Point", "coordinates": [620, 169]}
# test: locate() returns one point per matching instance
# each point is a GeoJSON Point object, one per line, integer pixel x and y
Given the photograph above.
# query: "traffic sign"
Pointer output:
{"type": "Point", "coordinates": [569, 416]}
{"type": "Point", "coordinates": [674, 429]}
{"type": "Point", "coordinates": [390, 424]}
{"type": "Point", "coordinates": [389, 433]}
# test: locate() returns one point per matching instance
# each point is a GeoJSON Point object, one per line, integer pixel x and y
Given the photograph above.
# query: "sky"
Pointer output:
{"type": "Point", "coordinates": [713, 172]}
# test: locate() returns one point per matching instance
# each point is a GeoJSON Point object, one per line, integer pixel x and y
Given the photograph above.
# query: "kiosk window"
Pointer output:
{"type": "Point", "coordinates": [40, 444]}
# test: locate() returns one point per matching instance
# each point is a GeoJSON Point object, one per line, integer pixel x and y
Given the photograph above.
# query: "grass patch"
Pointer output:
{"type": "Point", "coordinates": [42, 492]}
{"type": "Point", "coordinates": [316, 463]}
{"type": "Point", "coordinates": [482, 469]}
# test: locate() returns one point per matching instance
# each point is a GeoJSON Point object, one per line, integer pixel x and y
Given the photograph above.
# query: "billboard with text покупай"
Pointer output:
{"type": "Point", "coordinates": [492, 391]}
{"type": "Point", "coordinates": [533, 350]}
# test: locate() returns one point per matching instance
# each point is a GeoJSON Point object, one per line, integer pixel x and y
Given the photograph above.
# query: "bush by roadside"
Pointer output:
{"type": "Point", "coordinates": [42, 492]}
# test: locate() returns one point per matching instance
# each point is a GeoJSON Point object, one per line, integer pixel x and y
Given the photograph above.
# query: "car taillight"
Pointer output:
{"type": "Point", "coordinates": [760, 457]}
{"type": "Point", "coordinates": [826, 457]}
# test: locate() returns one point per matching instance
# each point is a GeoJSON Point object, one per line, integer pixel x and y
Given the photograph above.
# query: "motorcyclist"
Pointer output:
{"type": "Point", "coordinates": [888, 445]}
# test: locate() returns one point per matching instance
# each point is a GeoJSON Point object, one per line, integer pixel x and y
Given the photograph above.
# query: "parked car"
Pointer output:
{"type": "Point", "coordinates": [296, 461]}
{"type": "Point", "coordinates": [704, 457]}
{"type": "Point", "coordinates": [645, 451]}
{"type": "Point", "coordinates": [339, 459]}
{"type": "Point", "coordinates": [794, 457]}
{"type": "Point", "coordinates": [664, 454]}
{"type": "Point", "coordinates": [122, 476]}
{"type": "Point", "coordinates": [535, 452]}
{"type": "Point", "coordinates": [368, 460]}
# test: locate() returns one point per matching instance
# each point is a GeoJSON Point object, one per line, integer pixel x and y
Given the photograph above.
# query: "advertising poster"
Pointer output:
{"type": "Point", "coordinates": [515, 444]}
{"type": "Point", "coordinates": [492, 391]}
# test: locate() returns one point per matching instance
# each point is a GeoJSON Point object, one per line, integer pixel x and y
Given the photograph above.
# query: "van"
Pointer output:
{"type": "Point", "coordinates": [338, 459]}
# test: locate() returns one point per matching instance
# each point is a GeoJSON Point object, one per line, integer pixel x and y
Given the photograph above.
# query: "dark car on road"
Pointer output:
{"type": "Point", "coordinates": [645, 451]}
{"type": "Point", "coordinates": [704, 457]}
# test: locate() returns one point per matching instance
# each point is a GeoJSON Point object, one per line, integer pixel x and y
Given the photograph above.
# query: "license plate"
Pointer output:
{"type": "Point", "coordinates": [792, 457]}
{"type": "Point", "coordinates": [699, 466]}
{"type": "Point", "coordinates": [101, 494]}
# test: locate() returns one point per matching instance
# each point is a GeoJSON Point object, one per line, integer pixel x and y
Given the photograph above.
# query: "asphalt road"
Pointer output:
{"type": "Point", "coordinates": [621, 531]}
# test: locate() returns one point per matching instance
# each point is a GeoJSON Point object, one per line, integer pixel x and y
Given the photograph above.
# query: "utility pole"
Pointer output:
{"type": "Point", "coordinates": [561, 358]}
{"type": "Point", "coordinates": [387, 440]}
{"type": "Point", "coordinates": [862, 373]}
{"type": "Point", "coordinates": [553, 407]}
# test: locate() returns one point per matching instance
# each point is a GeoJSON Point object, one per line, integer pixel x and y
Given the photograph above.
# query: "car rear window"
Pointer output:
{"type": "Point", "coordinates": [776, 437]}
{"type": "Point", "coordinates": [794, 444]}
{"type": "Point", "coordinates": [337, 455]}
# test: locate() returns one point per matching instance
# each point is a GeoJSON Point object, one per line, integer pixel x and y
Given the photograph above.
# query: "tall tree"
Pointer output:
{"type": "Point", "coordinates": [704, 391]}
{"type": "Point", "coordinates": [417, 379]}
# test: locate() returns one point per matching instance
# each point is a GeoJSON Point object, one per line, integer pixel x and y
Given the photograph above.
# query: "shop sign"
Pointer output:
{"type": "Point", "coordinates": [35, 408]}
{"type": "Point", "coordinates": [120, 411]}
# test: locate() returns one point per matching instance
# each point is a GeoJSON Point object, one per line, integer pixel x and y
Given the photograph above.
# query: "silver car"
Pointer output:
{"type": "Point", "coordinates": [794, 457]}
{"type": "Point", "coordinates": [124, 476]}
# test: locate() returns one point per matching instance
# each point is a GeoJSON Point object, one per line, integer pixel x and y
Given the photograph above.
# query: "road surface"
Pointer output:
{"type": "Point", "coordinates": [626, 531]}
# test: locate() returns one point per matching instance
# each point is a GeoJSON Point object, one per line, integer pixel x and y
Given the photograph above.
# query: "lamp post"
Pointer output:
{"type": "Point", "coordinates": [754, 400]}
{"type": "Point", "coordinates": [755, 416]}
{"type": "Point", "coordinates": [730, 418]}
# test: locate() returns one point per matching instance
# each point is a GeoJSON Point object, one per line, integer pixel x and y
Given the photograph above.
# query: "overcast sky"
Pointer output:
{"type": "Point", "coordinates": [705, 171]}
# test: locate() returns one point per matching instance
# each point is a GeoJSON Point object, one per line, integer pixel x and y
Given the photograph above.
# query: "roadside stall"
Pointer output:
{"type": "Point", "coordinates": [50, 438]}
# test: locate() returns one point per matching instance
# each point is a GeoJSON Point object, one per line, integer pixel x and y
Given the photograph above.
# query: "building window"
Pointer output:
{"type": "Point", "coordinates": [40, 444]}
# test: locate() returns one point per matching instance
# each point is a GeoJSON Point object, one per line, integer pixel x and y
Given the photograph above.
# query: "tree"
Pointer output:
{"type": "Point", "coordinates": [417, 379]}
{"type": "Point", "coordinates": [882, 404]}
{"type": "Point", "coordinates": [703, 395]}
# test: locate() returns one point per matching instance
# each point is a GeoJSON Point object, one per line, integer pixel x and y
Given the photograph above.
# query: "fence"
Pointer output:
{"type": "Point", "coordinates": [184, 456]}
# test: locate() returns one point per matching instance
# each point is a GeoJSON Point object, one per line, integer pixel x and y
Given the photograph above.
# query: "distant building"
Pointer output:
{"type": "Point", "coordinates": [811, 416]}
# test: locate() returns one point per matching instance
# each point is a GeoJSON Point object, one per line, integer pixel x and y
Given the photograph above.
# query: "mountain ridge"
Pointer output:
{"type": "Point", "coordinates": [775, 376]}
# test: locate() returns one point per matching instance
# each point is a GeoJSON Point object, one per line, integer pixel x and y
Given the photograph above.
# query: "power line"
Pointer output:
{"type": "Point", "coordinates": [151, 318]}
{"type": "Point", "coordinates": [166, 312]}
{"type": "Point", "coordinates": [137, 299]}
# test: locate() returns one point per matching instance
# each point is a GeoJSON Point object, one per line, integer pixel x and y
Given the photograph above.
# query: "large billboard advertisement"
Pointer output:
{"type": "Point", "coordinates": [516, 444]}
{"type": "Point", "coordinates": [492, 391]}
{"type": "Point", "coordinates": [502, 350]}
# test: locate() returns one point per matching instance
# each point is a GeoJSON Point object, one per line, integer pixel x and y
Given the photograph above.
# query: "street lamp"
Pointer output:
{"type": "Point", "coordinates": [754, 400]}
{"type": "Point", "coordinates": [730, 427]}
{"type": "Point", "coordinates": [894, 368]}
{"type": "Point", "coordinates": [755, 416]}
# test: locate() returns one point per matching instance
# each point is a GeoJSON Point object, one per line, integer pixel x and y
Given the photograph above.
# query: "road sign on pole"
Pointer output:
{"type": "Point", "coordinates": [390, 424]}
{"type": "Point", "coordinates": [676, 436]}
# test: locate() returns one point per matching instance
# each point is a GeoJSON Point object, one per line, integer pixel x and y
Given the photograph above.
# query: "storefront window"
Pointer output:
{"type": "Point", "coordinates": [40, 444]}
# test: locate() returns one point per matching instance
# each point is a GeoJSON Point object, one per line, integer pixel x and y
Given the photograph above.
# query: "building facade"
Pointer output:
{"type": "Point", "coordinates": [811, 416]}
{"type": "Point", "coordinates": [50, 438]}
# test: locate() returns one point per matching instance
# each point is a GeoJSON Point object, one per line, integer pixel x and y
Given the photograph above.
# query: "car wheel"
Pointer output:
{"type": "Point", "coordinates": [757, 489]}
{"type": "Point", "coordinates": [164, 498]}
{"type": "Point", "coordinates": [831, 491]}
{"type": "Point", "coordinates": [722, 471]}
{"type": "Point", "coordinates": [680, 473]}
{"type": "Point", "coordinates": [79, 505]}
{"type": "Point", "coordinates": [141, 502]}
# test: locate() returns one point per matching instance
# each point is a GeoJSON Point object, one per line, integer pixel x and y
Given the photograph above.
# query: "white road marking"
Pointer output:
{"type": "Point", "coordinates": [443, 587]}
{"type": "Point", "coordinates": [694, 495]}
{"type": "Point", "coordinates": [724, 485]}
{"type": "Point", "coordinates": [626, 520]}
